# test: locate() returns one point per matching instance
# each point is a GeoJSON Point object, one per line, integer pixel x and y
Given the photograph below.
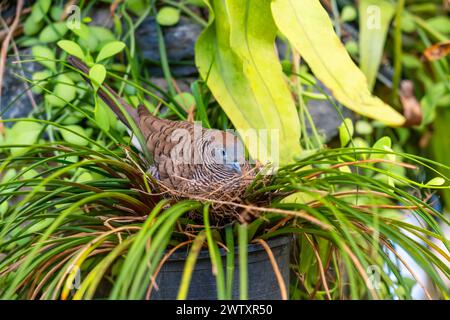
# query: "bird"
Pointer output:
{"type": "Point", "coordinates": [186, 157]}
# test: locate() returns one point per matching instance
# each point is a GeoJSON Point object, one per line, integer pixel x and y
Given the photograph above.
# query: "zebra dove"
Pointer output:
{"type": "Point", "coordinates": [186, 157]}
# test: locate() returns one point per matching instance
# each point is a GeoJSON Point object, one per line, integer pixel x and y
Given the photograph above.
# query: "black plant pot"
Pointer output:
{"type": "Point", "coordinates": [262, 282]}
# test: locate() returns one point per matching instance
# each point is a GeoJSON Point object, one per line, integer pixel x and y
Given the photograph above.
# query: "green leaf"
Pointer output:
{"type": "Point", "coordinates": [103, 35]}
{"type": "Point", "coordinates": [97, 74]}
{"type": "Point", "coordinates": [348, 13]}
{"type": "Point", "coordinates": [298, 197]}
{"type": "Point", "coordinates": [438, 181]}
{"type": "Point", "coordinates": [3, 208]}
{"type": "Point", "coordinates": [168, 16]}
{"type": "Point", "coordinates": [93, 38]}
{"type": "Point", "coordinates": [410, 61]}
{"type": "Point", "coordinates": [53, 32]}
{"type": "Point", "coordinates": [440, 24]}
{"type": "Point", "coordinates": [23, 132]}
{"type": "Point", "coordinates": [138, 7]}
{"type": "Point", "coordinates": [374, 19]}
{"type": "Point", "coordinates": [41, 225]}
{"type": "Point", "coordinates": [44, 56]}
{"type": "Point", "coordinates": [9, 175]}
{"type": "Point", "coordinates": [235, 56]}
{"type": "Point", "coordinates": [185, 100]}
{"type": "Point", "coordinates": [408, 24]}
{"type": "Point", "coordinates": [56, 13]}
{"type": "Point", "coordinates": [199, 3]}
{"type": "Point", "coordinates": [83, 31]}
{"type": "Point", "coordinates": [65, 88]}
{"type": "Point", "coordinates": [39, 10]}
{"type": "Point", "coordinates": [72, 48]}
{"type": "Point", "coordinates": [346, 131]}
{"type": "Point", "coordinates": [110, 49]}
{"type": "Point", "coordinates": [39, 78]}
{"type": "Point", "coordinates": [102, 117]}
{"type": "Point", "coordinates": [30, 27]}
{"type": "Point", "coordinates": [84, 177]}
{"type": "Point", "coordinates": [384, 144]}
{"type": "Point", "coordinates": [308, 27]}
{"type": "Point", "coordinates": [440, 146]}
{"type": "Point", "coordinates": [63, 92]}
{"type": "Point", "coordinates": [363, 127]}
{"type": "Point", "coordinates": [352, 48]}
{"type": "Point", "coordinates": [75, 138]}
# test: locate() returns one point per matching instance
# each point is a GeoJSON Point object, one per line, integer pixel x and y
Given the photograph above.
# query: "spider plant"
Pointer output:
{"type": "Point", "coordinates": [98, 223]}
{"type": "Point", "coordinates": [81, 219]}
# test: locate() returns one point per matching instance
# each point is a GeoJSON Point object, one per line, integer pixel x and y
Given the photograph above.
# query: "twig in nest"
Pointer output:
{"type": "Point", "coordinates": [300, 214]}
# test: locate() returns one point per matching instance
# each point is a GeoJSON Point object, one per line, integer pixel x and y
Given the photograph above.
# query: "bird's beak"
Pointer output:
{"type": "Point", "coordinates": [236, 167]}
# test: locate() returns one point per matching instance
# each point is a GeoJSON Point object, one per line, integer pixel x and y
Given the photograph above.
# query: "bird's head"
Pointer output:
{"type": "Point", "coordinates": [225, 149]}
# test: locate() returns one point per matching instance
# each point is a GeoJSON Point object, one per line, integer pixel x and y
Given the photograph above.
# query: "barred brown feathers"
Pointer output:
{"type": "Point", "coordinates": [187, 157]}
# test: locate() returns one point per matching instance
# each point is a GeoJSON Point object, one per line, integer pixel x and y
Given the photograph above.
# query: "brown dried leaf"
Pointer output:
{"type": "Point", "coordinates": [437, 51]}
{"type": "Point", "coordinates": [411, 106]}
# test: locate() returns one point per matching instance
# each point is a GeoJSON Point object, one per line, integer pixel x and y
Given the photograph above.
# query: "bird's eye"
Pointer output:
{"type": "Point", "coordinates": [219, 152]}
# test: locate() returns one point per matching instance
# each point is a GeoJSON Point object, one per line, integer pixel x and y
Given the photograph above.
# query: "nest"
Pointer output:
{"type": "Point", "coordinates": [229, 200]}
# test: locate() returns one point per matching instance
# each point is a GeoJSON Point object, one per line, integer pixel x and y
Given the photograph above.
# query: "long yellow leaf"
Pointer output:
{"type": "Point", "coordinates": [307, 26]}
{"type": "Point", "coordinates": [235, 55]}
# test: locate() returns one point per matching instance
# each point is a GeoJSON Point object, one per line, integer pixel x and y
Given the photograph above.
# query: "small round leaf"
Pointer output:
{"type": "Point", "coordinates": [168, 16]}
{"type": "Point", "coordinates": [110, 49]}
{"type": "Point", "coordinates": [71, 48]}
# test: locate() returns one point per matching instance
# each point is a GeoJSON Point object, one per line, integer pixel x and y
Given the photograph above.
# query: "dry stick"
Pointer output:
{"type": "Point", "coordinates": [321, 269]}
{"type": "Point", "coordinates": [17, 264]}
{"type": "Point", "coordinates": [343, 164]}
{"type": "Point", "coordinates": [279, 224]}
{"type": "Point", "coordinates": [61, 263]}
{"type": "Point", "coordinates": [327, 266]}
{"type": "Point", "coordinates": [386, 206]}
{"type": "Point", "coordinates": [16, 53]}
{"type": "Point", "coordinates": [190, 109]}
{"type": "Point", "coordinates": [19, 30]}
{"type": "Point", "coordinates": [56, 267]}
{"type": "Point", "coordinates": [160, 265]}
{"type": "Point", "coordinates": [113, 6]}
{"type": "Point", "coordinates": [275, 267]}
{"type": "Point", "coordinates": [300, 214]}
{"type": "Point", "coordinates": [390, 248]}
{"type": "Point", "coordinates": [5, 44]}
{"type": "Point", "coordinates": [361, 270]}
{"type": "Point", "coordinates": [37, 274]}
{"type": "Point", "coordinates": [337, 194]}
{"type": "Point", "coordinates": [87, 247]}
{"type": "Point", "coordinates": [66, 10]}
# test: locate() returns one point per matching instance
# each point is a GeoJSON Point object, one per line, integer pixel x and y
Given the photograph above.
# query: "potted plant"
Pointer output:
{"type": "Point", "coordinates": [82, 218]}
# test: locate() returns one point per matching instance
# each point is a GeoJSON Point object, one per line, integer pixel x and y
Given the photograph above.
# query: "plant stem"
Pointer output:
{"type": "Point", "coordinates": [243, 272]}
{"type": "Point", "coordinates": [397, 49]}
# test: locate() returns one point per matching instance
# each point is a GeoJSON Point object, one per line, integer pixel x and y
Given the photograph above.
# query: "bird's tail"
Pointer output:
{"type": "Point", "coordinates": [108, 95]}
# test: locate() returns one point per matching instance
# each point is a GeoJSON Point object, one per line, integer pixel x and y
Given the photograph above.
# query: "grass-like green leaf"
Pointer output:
{"type": "Point", "coordinates": [374, 19]}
